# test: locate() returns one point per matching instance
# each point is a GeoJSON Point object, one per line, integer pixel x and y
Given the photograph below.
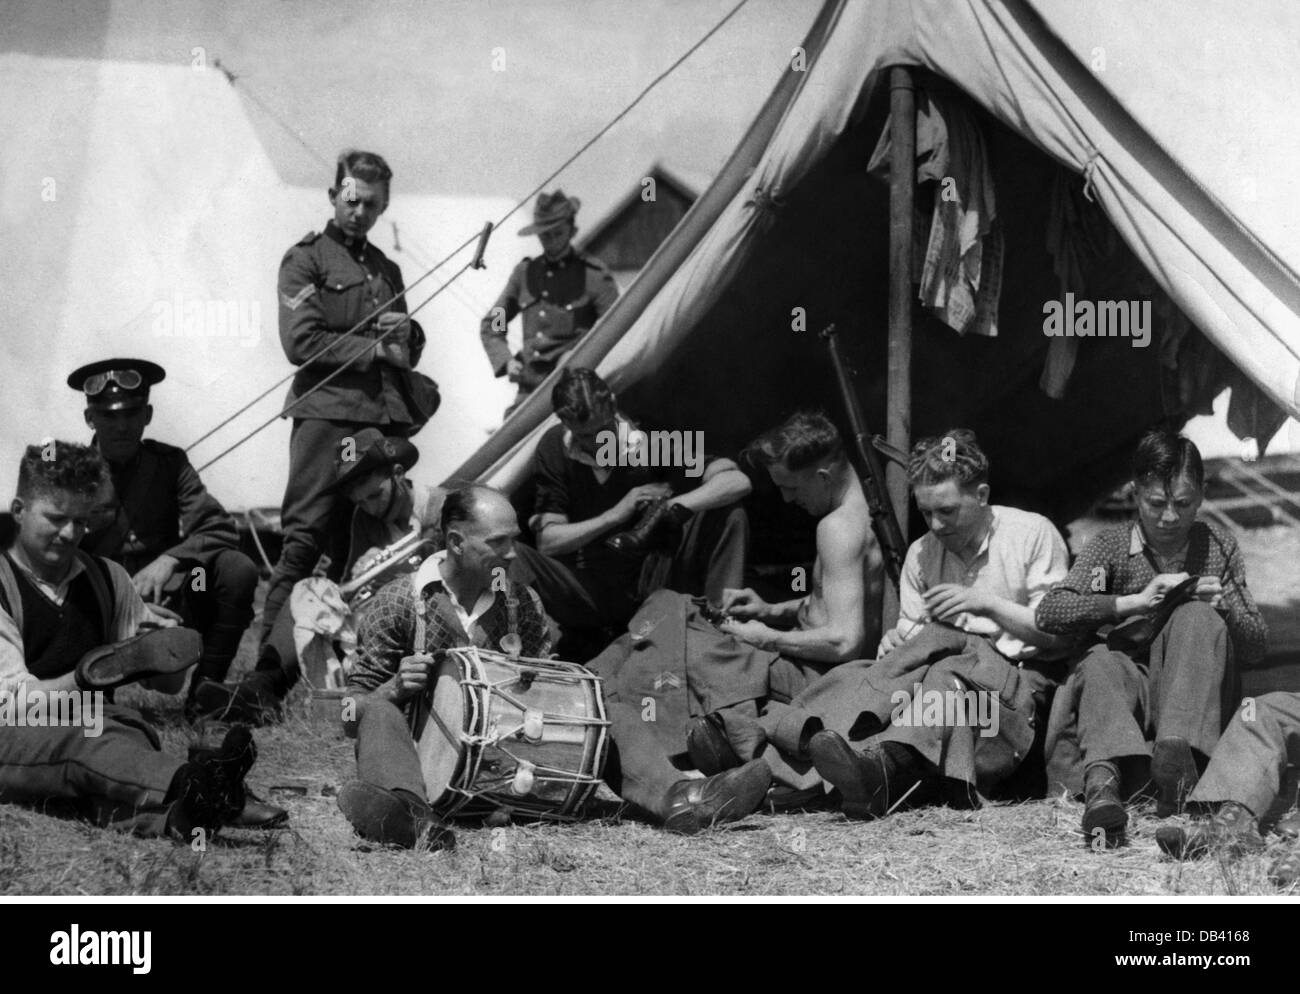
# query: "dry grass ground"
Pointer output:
{"type": "Point", "coordinates": [1022, 849]}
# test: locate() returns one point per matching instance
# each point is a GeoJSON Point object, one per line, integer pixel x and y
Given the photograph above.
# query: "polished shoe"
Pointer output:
{"type": "Point", "coordinates": [1285, 871]}
{"type": "Point", "coordinates": [209, 792]}
{"type": "Point", "coordinates": [870, 782]}
{"type": "Point", "coordinates": [1232, 831]}
{"type": "Point", "coordinates": [252, 701]}
{"type": "Point", "coordinates": [660, 526]}
{"type": "Point", "coordinates": [1104, 817]}
{"type": "Point", "coordinates": [261, 815]}
{"type": "Point", "coordinates": [709, 748]}
{"type": "Point", "coordinates": [701, 802]}
{"type": "Point", "coordinates": [157, 652]}
{"type": "Point", "coordinates": [1174, 771]}
{"type": "Point", "coordinates": [385, 816]}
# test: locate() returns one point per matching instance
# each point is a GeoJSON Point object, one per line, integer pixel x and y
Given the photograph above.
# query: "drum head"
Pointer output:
{"type": "Point", "coordinates": [440, 755]}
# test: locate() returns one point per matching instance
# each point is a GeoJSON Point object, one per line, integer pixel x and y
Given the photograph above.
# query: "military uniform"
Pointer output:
{"type": "Point", "coordinates": [328, 282]}
{"type": "Point", "coordinates": [558, 301]}
{"type": "Point", "coordinates": [161, 507]}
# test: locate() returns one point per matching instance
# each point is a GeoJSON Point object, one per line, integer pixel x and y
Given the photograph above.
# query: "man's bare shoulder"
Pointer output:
{"type": "Point", "coordinates": [847, 528]}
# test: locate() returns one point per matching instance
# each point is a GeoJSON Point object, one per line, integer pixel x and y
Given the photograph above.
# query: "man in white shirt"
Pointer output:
{"type": "Point", "coordinates": [73, 627]}
{"type": "Point", "coordinates": [952, 698]}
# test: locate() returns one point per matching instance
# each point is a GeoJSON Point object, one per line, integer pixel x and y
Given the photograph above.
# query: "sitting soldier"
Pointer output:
{"type": "Point", "coordinates": [74, 625]}
{"type": "Point", "coordinates": [1161, 701]}
{"type": "Point", "coordinates": [174, 538]}
{"type": "Point", "coordinates": [1242, 783]}
{"type": "Point", "coordinates": [965, 638]}
{"type": "Point", "coordinates": [387, 506]}
{"type": "Point", "coordinates": [599, 515]}
{"type": "Point", "coordinates": [462, 604]}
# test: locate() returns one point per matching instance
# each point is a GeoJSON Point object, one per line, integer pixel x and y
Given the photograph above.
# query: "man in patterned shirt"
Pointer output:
{"type": "Point", "coordinates": [465, 604]}
{"type": "Point", "coordinates": [1167, 703]}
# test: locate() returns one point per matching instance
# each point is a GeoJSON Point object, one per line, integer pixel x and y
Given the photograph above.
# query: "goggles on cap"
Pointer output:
{"type": "Point", "coordinates": [127, 379]}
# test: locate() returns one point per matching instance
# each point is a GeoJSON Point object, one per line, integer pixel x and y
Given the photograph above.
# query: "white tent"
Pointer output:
{"type": "Point", "coordinates": [1178, 114]}
{"type": "Point", "coordinates": [140, 216]}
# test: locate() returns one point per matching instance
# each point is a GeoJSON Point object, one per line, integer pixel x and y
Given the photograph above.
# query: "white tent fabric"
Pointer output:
{"type": "Point", "coordinates": [135, 198]}
{"type": "Point", "coordinates": [1176, 111]}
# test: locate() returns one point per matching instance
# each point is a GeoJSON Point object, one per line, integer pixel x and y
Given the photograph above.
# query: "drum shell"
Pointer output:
{"type": "Point", "coordinates": [488, 710]}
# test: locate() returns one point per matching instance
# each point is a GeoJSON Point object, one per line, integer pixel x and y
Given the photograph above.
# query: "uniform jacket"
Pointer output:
{"type": "Point", "coordinates": [161, 506]}
{"type": "Point", "coordinates": [326, 286]}
{"type": "Point", "coordinates": [558, 302]}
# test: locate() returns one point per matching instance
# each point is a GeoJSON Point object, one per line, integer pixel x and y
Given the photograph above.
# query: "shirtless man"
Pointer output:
{"type": "Point", "coordinates": [806, 459]}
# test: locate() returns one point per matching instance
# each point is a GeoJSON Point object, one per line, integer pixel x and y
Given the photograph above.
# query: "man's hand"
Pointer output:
{"type": "Point", "coordinates": [888, 643]}
{"type": "Point", "coordinates": [513, 368]}
{"type": "Point", "coordinates": [755, 633]}
{"type": "Point", "coordinates": [945, 601]}
{"type": "Point", "coordinates": [365, 561]}
{"type": "Point", "coordinates": [395, 350]}
{"type": "Point", "coordinates": [413, 676]}
{"type": "Point", "coordinates": [149, 582]}
{"type": "Point", "coordinates": [1210, 590]}
{"type": "Point", "coordinates": [1151, 595]}
{"type": "Point", "coordinates": [157, 616]}
{"type": "Point", "coordinates": [626, 508]}
{"type": "Point", "coordinates": [743, 604]}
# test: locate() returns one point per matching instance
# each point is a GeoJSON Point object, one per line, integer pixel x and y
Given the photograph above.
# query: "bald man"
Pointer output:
{"type": "Point", "coordinates": [462, 606]}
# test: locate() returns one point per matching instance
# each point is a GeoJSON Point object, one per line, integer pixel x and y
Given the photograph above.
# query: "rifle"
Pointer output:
{"type": "Point", "coordinates": [862, 455]}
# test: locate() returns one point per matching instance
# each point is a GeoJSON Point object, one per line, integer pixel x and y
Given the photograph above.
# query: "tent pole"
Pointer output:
{"type": "Point", "coordinates": [898, 396]}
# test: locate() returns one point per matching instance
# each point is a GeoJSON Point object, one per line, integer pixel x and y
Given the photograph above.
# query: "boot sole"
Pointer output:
{"type": "Point", "coordinates": [377, 815]}
{"type": "Point", "coordinates": [159, 652]}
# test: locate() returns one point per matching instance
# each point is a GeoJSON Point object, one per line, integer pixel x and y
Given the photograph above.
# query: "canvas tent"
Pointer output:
{"type": "Point", "coordinates": [1176, 115]}
{"type": "Point", "coordinates": [131, 193]}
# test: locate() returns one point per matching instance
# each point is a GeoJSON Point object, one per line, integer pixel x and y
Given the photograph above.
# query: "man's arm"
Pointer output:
{"type": "Point", "coordinates": [384, 638]}
{"type": "Point", "coordinates": [912, 613]}
{"type": "Point", "coordinates": [722, 483]}
{"type": "Point", "coordinates": [492, 329]}
{"type": "Point", "coordinates": [303, 330]}
{"type": "Point", "coordinates": [205, 524]}
{"type": "Point", "coordinates": [842, 551]}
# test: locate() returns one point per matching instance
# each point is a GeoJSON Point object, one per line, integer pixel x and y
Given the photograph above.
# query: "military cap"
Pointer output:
{"type": "Point", "coordinates": [116, 384]}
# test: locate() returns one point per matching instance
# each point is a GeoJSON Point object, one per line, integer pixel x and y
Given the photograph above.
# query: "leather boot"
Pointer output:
{"type": "Point", "coordinates": [1232, 831]}
{"type": "Point", "coordinates": [870, 782]}
{"type": "Point", "coordinates": [153, 653]}
{"type": "Point", "coordinates": [660, 526]}
{"type": "Point", "coordinates": [393, 818]}
{"type": "Point", "coordinates": [1102, 808]}
{"type": "Point", "coordinates": [1174, 771]}
{"type": "Point", "coordinates": [693, 805]}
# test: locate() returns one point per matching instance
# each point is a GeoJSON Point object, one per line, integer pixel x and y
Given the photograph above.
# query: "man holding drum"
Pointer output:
{"type": "Point", "coordinates": [465, 599]}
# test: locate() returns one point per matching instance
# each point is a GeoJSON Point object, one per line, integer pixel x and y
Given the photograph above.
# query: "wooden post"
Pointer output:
{"type": "Point", "coordinates": [898, 396]}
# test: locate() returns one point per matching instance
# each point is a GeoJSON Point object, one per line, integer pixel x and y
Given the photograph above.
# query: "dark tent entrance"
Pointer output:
{"type": "Point", "coordinates": [826, 255]}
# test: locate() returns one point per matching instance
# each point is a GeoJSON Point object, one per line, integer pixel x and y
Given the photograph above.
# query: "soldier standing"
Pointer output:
{"type": "Point", "coordinates": [328, 283]}
{"type": "Point", "coordinates": [559, 295]}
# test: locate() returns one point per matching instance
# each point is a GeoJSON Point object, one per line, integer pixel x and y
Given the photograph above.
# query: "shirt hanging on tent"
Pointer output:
{"type": "Point", "coordinates": [961, 267]}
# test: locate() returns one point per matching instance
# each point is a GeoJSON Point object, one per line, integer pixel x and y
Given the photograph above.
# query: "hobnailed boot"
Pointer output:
{"type": "Point", "coordinates": [870, 782]}
{"type": "Point", "coordinates": [1102, 808]}
{"type": "Point", "coordinates": [660, 525]}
